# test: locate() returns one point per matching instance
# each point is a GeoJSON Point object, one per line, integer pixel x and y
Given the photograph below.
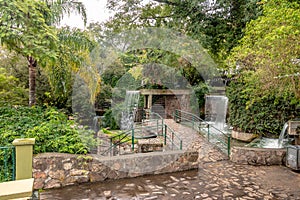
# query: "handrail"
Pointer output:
{"type": "Point", "coordinates": [180, 115]}
{"type": "Point", "coordinates": [5, 171]}
{"type": "Point", "coordinates": [173, 133]}
{"type": "Point", "coordinates": [137, 132]}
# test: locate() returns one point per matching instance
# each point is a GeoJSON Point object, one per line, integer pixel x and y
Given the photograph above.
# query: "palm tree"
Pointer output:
{"type": "Point", "coordinates": [27, 27]}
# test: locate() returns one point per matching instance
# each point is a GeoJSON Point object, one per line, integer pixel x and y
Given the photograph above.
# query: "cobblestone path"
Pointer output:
{"type": "Point", "coordinates": [216, 178]}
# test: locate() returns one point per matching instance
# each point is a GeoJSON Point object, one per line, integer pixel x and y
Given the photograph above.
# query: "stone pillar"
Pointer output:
{"type": "Point", "coordinates": [24, 153]}
{"type": "Point", "coordinates": [145, 101]}
{"type": "Point", "coordinates": [149, 101]}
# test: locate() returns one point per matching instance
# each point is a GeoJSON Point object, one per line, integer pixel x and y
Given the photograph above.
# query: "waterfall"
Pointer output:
{"type": "Point", "coordinates": [216, 110]}
{"type": "Point", "coordinates": [130, 109]}
{"type": "Point", "coordinates": [96, 123]}
{"type": "Point", "coordinates": [282, 135]}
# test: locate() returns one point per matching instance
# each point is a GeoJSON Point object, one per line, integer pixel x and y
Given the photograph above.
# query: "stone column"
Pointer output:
{"type": "Point", "coordinates": [24, 148]}
{"type": "Point", "coordinates": [149, 101]}
{"type": "Point", "coordinates": [145, 101]}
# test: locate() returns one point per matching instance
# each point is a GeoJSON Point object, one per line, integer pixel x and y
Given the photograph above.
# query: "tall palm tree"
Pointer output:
{"type": "Point", "coordinates": [27, 27]}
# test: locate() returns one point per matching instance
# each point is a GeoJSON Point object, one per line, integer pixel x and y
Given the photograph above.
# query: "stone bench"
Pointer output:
{"type": "Point", "coordinates": [20, 189]}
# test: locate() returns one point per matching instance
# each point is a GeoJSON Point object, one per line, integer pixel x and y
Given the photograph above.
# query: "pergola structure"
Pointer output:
{"type": "Point", "coordinates": [166, 101]}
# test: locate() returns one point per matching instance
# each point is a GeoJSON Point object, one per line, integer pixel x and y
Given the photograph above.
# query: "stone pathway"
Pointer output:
{"type": "Point", "coordinates": [216, 178]}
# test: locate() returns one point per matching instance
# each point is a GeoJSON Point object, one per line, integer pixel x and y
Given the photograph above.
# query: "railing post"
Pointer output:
{"type": "Point", "coordinates": [24, 148]}
{"type": "Point", "coordinates": [193, 121]}
{"type": "Point", "coordinates": [14, 164]}
{"type": "Point", "coordinates": [162, 126]}
{"type": "Point", "coordinates": [228, 145]}
{"type": "Point", "coordinates": [208, 132]}
{"type": "Point", "coordinates": [5, 164]}
{"type": "Point", "coordinates": [172, 139]}
{"type": "Point", "coordinates": [132, 140]}
{"type": "Point", "coordinates": [165, 135]}
{"type": "Point", "coordinates": [111, 147]}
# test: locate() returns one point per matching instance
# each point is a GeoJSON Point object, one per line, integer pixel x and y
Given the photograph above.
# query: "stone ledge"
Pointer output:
{"type": "Point", "coordinates": [258, 156]}
{"type": "Point", "coordinates": [54, 170]}
{"type": "Point", "coordinates": [16, 189]}
{"type": "Point", "coordinates": [242, 136]}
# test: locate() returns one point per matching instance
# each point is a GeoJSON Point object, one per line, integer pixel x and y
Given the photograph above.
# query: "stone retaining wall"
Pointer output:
{"type": "Point", "coordinates": [258, 156]}
{"type": "Point", "coordinates": [54, 170]}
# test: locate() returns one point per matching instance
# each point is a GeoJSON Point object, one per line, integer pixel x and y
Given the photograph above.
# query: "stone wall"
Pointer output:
{"type": "Point", "coordinates": [180, 102]}
{"type": "Point", "coordinates": [258, 156]}
{"type": "Point", "coordinates": [54, 170]}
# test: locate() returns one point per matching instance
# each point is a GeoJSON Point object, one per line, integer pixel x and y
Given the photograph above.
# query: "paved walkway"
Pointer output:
{"type": "Point", "coordinates": [216, 178]}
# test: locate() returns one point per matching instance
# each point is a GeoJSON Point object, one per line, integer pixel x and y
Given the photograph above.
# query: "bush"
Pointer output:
{"type": "Point", "coordinates": [51, 129]}
{"type": "Point", "coordinates": [262, 115]}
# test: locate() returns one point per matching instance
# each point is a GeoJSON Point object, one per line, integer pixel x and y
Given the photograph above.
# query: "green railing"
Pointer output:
{"type": "Point", "coordinates": [214, 135]}
{"type": "Point", "coordinates": [170, 135]}
{"type": "Point", "coordinates": [7, 163]}
{"type": "Point", "coordinates": [147, 129]}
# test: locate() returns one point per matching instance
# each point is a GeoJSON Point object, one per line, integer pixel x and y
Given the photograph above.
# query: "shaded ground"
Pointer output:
{"type": "Point", "coordinates": [217, 178]}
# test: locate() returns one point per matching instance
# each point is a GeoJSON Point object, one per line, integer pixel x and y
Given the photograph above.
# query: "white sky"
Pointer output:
{"type": "Point", "coordinates": [96, 12]}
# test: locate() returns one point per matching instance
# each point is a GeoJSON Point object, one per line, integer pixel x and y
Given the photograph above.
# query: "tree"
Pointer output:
{"type": "Point", "coordinates": [265, 92]}
{"type": "Point", "coordinates": [271, 49]}
{"type": "Point", "coordinates": [23, 29]}
{"type": "Point", "coordinates": [218, 25]}
{"type": "Point", "coordinates": [26, 28]}
{"type": "Point", "coordinates": [74, 50]}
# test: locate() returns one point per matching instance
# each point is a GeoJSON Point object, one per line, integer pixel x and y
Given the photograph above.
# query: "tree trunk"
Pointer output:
{"type": "Point", "coordinates": [32, 63]}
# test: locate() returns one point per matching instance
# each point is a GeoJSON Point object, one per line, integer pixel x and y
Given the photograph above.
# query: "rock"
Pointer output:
{"type": "Point", "coordinates": [59, 174]}
{"type": "Point", "coordinates": [67, 166]}
{"type": "Point", "coordinates": [38, 183]}
{"type": "Point", "coordinates": [107, 193]}
{"type": "Point", "coordinates": [246, 137]}
{"type": "Point", "coordinates": [204, 195]}
{"type": "Point", "coordinates": [52, 184]}
{"type": "Point", "coordinates": [226, 195]}
{"type": "Point", "coordinates": [41, 175]}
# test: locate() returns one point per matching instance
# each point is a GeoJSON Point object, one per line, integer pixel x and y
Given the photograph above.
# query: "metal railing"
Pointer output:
{"type": "Point", "coordinates": [170, 135]}
{"type": "Point", "coordinates": [147, 129]}
{"type": "Point", "coordinates": [7, 163]}
{"type": "Point", "coordinates": [214, 135]}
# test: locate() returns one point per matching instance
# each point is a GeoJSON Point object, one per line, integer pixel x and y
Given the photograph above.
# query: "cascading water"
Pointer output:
{"type": "Point", "coordinates": [96, 123]}
{"type": "Point", "coordinates": [130, 109]}
{"type": "Point", "coordinates": [272, 142]}
{"type": "Point", "coordinates": [282, 135]}
{"type": "Point", "coordinates": [216, 110]}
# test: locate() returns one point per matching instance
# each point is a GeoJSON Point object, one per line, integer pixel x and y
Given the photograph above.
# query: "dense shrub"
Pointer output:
{"type": "Point", "coordinates": [263, 115]}
{"type": "Point", "coordinates": [51, 129]}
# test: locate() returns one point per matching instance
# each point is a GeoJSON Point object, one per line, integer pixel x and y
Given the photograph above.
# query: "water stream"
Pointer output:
{"type": "Point", "coordinates": [216, 110]}
{"type": "Point", "coordinates": [283, 135]}
{"type": "Point", "coordinates": [280, 142]}
{"type": "Point", "coordinates": [130, 109]}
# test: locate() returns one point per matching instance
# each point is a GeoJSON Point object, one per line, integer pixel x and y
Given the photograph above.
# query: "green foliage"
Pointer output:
{"type": "Point", "coordinates": [271, 48]}
{"type": "Point", "coordinates": [218, 25]}
{"type": "Point", "coordinates": [109, 120]}
{"type": "Point", "coordinates": [24, 29]}
{"type": "Point", "coordinates": [6, 169]}
{"type": "Point", "coordinates": [265, 115]}
{"type": "Point", "coordinates": [118, 136]}
{"type": "Point", "coordinates": [51, 129]}
{"type": "Point", "coordinates": [11, 90]}
{"type": "Point", "coordinates": [266, 91]}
